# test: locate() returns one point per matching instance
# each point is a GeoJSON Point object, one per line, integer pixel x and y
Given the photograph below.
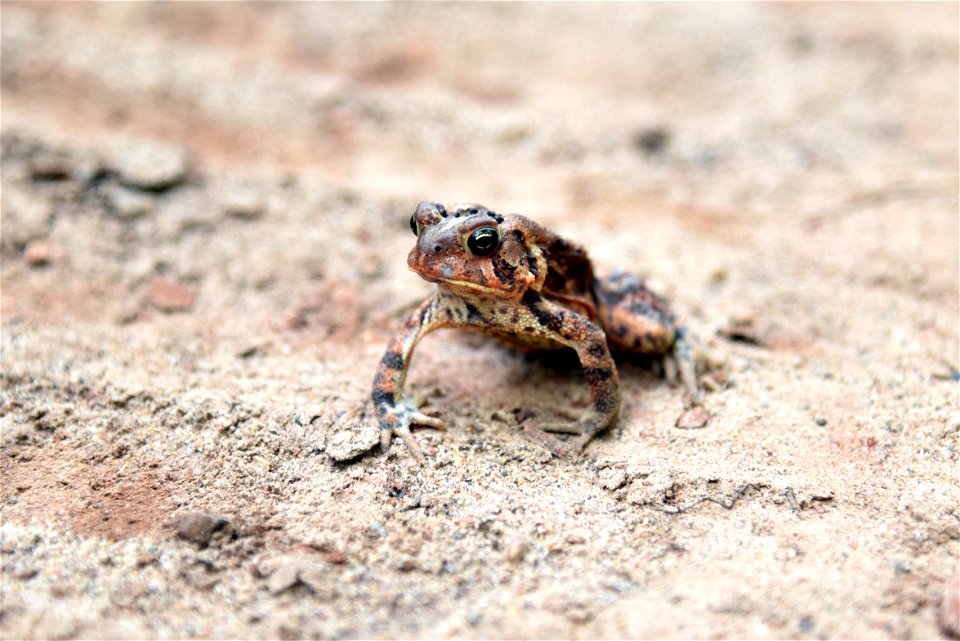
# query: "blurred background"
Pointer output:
{"type": "Point", "coordinates": [203, 242]}
{"type": "Point", "coordinates": [650, 132]}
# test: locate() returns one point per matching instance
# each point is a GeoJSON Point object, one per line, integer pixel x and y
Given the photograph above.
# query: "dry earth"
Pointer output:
{"type": "Point", "coordinates": [204, 231]}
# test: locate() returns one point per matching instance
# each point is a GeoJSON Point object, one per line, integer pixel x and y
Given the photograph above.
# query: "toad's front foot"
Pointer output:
{"type": "Point", "coordinates": [397, 420]}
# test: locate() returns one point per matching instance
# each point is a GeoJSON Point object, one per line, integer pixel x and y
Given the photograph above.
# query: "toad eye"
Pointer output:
{"type": "Point", "coordinates": [483, 241]}
{"type": "Point", "coordinates": [413, 225]}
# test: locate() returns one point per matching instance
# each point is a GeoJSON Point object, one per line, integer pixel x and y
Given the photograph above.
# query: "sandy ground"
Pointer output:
{"type": "Point", "coordinates": [204, 232]}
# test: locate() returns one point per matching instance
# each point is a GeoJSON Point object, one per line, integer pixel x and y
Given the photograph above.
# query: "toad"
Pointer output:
{"type": "Point", "coordinates": [509, 277]}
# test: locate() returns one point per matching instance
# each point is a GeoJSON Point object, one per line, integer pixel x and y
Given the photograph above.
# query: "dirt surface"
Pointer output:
{"type": "Point", "coordinates": [204, 233]}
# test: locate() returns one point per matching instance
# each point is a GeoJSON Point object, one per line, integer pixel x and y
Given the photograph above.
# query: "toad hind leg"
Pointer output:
{"type": "Point", "coordinates": [638, 320]}
{"type": "Point", "coordinates": [590, 343]}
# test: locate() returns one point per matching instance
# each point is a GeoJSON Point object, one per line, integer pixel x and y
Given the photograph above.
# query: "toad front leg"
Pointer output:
{"type": "Point", "coordinates": [396, 412]}
{"type": "Point", "coordinates": [573, 330]}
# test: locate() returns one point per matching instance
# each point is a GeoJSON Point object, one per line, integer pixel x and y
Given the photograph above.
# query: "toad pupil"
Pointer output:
{"type": "Point", "coordinates": [483, 241]}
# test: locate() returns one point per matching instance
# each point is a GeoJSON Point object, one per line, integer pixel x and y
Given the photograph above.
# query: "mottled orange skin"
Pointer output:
{"type": "Point", "coordinates": [534, 290]}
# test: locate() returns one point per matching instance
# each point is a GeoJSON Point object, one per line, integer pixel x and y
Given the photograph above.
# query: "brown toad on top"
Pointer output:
{"type": "Point", "coordinates": [510, 277]}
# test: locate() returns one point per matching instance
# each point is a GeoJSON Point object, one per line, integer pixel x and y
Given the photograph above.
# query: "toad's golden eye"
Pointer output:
{"type": "Point", "coordinates": [483, 241]}
{"type": "Point", "coordinates": [413, 224]}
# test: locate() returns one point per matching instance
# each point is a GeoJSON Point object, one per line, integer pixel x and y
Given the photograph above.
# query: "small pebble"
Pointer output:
{"type": "Point", "coordinates": [199, 527]}
{"type": "Point", "coordinates": [652, 141]}
{"type": "Point", "coordinates": [50, 166]}
{"type": "Point", "coordinates": [145, 560]}
{"type": "Point", "coordinates": [743, 329]}
{"type": "Point", "coordinates": [336, 558]}
{"type": "Point", "coordinates": [315, 577]}
{"type": "Point", "coordinates": [576, 538]}
{"type": "Point", "coordinates": [693, 419]}
{"type": "Point", "coordinates": [284, 577]}
{"type": "Point", "coordinates": [351, 443]}
{"type": "Point", "coordinates": [612, 478]}
{"type": "Point", "coordinates": [26, 575]}
{"type": "Point", "coordinates": [243, 204]}
{"type": "Point", "coordinates": [170, 296]}
{"type": "Point", "coordinates": [522, 414]}
{"type": "Point", "coordinates": [147, 165]}
{"type": "Point", "coordinates": [127, 204]}
{"type": "Point", "coordinates": [579, 615]}
{"type": "Point", "coordinates": [37, 253]}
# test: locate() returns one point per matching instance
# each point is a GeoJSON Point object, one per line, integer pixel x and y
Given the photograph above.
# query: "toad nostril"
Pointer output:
{"type": "Point", "coordinates": [437, 248]}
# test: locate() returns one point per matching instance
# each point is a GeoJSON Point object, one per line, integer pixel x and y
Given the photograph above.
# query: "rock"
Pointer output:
{"type": "Point", "coordinates": [579, 615]}
{"type": "Point", "coordinates": [284, 577]}
{"type": "Point", "coordinates": [148, 165]}
{"type": "Point", "coordinates": [37, 253]}
{"type": "Point", "coordinates": [652, 141]}
{"type": "Point", "coordinates": [336, 558]}
{"type": "Point", "coordinates": [948, 614]}
{"type": "Point", "coordinates": [577, 537]}
{"type": "Point", "coordinates": [315, 577]}
{"type": "Point", "coordinates": [351, 443]}
{"type": "Point", "coordinates": [612, 478]}
{"type": "Point", "coordinates": [693, 419]}
{"type": "Point", "coordinates": [743, 329]}
{"type": "Point", "coordinates": [48, 165]}
{"type": "Point", "coordinates": [127, 204]}
{"type": "Point", "coordinates": [170, 296]}
{"type": "Point", "coordinates": [200, 527]}
{"type": "Point", "coordinates": [244, 204]}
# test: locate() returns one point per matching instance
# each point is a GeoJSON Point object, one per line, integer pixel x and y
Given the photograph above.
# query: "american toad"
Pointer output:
{"type": "Point", "coordinates": [514, 279]}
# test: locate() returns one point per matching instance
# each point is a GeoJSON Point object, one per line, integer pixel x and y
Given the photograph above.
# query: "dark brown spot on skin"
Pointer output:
{"type": "Point", "coordinates": [532, 300]}
{"type": "Point", "coordinates": [392, 360]}
{"type": "Point", "coordinates": [503, 270]}
{"type": "Point", "coordinates": [383, 399]}
{"type": "Point", "coordinates": [597, 350]}
{"type": "Point", "coordinates": [606, 403]}
{"type": "Point", "coordinates": [473, 314]}
{"type": "Point", "coordinates": [597, 374]}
